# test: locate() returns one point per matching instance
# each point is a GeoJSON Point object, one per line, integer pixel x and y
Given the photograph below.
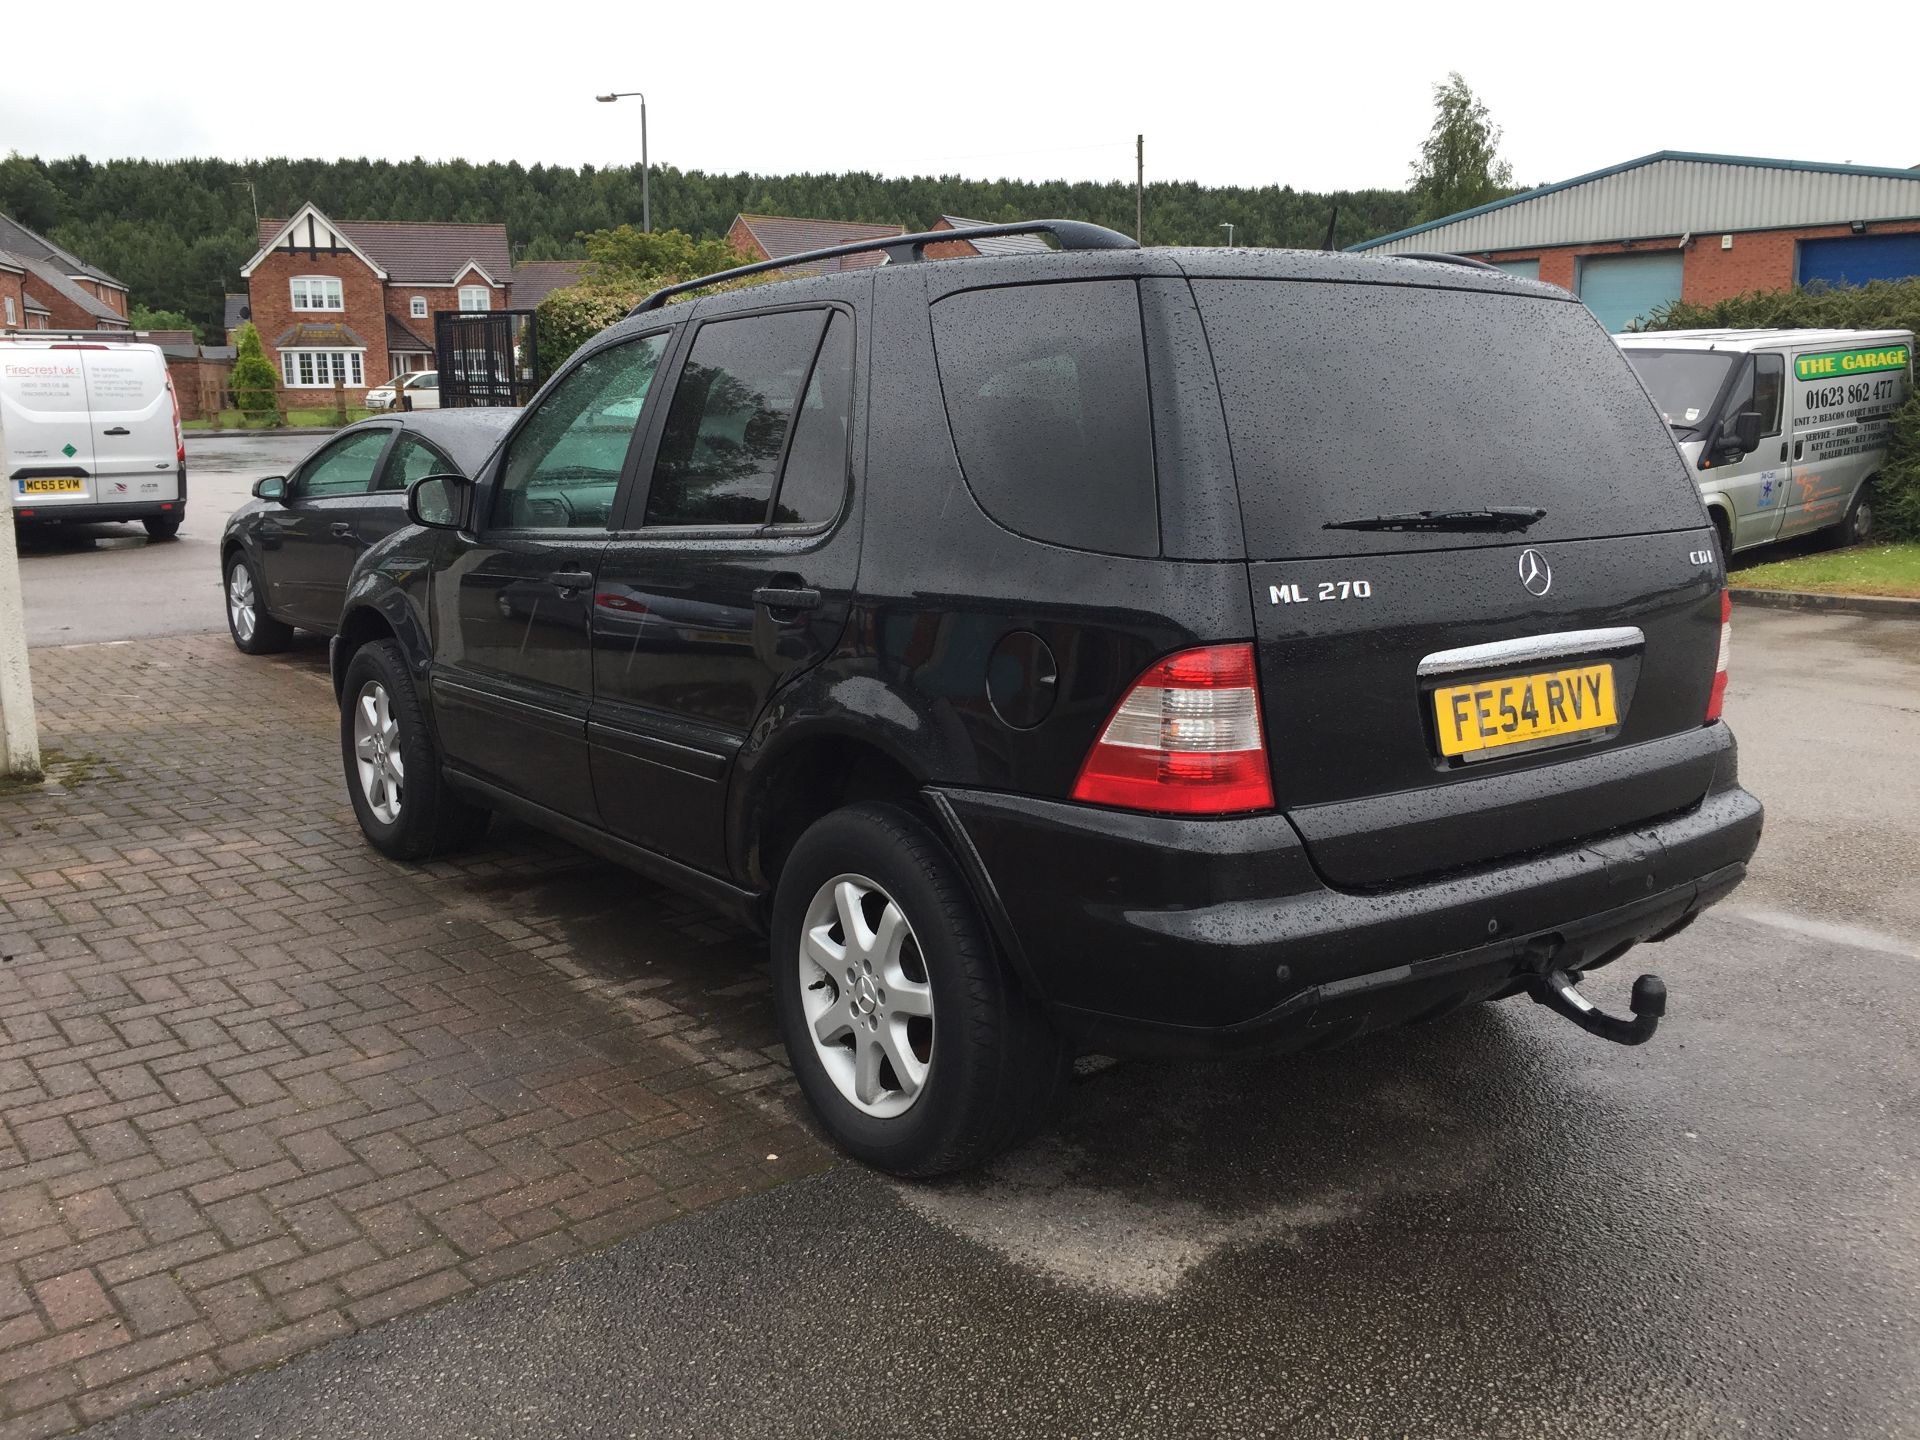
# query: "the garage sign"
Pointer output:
{"type": "Point", "coordinates": [1835, 363]}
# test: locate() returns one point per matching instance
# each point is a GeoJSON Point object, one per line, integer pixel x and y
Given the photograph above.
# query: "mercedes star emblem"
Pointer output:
{"type": "Point", "coordinates": [1535, 573]}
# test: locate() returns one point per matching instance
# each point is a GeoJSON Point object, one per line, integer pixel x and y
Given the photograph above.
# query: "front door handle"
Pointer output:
{"type": "Point", "coordinates": [774, 597]}
{"type": "Point", "coordinates": [117, 430]}
{"type": "Point", "coordinates": [568, 581]}
{"type": "Point", "coordinates": [341, 528]}
{"type": "Point", "coordinates": [1783, 450]}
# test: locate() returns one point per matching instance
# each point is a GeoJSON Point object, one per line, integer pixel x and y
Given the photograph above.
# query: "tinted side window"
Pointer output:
{"type": "Point", "coordinates": [1345, 401]}
{"type": "Point", "coordinates": [1769, 387]}
{"type": "Point", "coordinates": [563, 467]}
{"type": "Point", "coordinates": [412, 459]}
{"type": "Point", "coordinates": [1046, 393]}
{"type": "Point", "coordinates": [344, 467]}
{"type": "Point", "coordinates": [720, 448]}
{"type": "Point", "coordinates": [815, 479]}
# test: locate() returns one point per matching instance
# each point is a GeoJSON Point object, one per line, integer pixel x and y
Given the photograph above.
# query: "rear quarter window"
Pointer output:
{"type": "Point", "coordinates": [1046, 395]}
{"type": "Point", "coordinates": [1345, 401]}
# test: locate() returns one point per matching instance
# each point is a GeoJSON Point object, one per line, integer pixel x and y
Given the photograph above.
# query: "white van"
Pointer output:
{"type": "Point", "coordinates": [1784, 429]}
{"type": "Point", "coordinates": [90, 430]}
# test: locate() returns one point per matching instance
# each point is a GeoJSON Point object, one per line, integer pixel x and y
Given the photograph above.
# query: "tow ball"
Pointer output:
{"type": "Point", "coordinates": [1557, 990]}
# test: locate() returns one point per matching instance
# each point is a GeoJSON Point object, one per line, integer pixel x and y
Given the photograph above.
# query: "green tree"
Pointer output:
{"type": "Point", "coordinates": [28, 195]}
{"type": "Point", "coordinates": [255, 386]}
{"type": "Point", "coordinates": [141, 318]}
{"type": "Point", "coordinates": [1459, 165]}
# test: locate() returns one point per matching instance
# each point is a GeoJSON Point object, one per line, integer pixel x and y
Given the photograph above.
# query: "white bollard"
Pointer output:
{"type": "Point", "coordinates": [19, 735]}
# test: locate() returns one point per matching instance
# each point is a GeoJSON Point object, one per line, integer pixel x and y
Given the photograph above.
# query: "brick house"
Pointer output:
{"type": "Point", "coordinates": [769, 237]}
{"type": "Point", "coordinates": [46, 287]}
{"type": "Point", "coordinates": [353, 301]}
{"type": "Point", "coordinates": [992, 245]}
{"type": "Point", "coordinates": [534, 280]}
{"type": "Point", "coordinates": [1700, 228]}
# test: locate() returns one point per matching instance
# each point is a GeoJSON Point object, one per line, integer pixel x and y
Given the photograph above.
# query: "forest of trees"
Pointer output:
{"type": "Point", "coordinates": [177, 232]}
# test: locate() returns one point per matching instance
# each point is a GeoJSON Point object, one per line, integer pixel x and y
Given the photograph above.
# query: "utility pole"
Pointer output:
{"type": "Point", "coordinates": [1139, 189]}
{"type": "Point", "coordinates": [254, 198]}
{"type": "Point", "coordinates": [19, 735]}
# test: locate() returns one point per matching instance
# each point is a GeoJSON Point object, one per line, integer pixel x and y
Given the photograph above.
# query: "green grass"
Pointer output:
{"type": "Point", "coordinates": [1864, 570]}
{"type": "Point", "coordinates": [234, 420]}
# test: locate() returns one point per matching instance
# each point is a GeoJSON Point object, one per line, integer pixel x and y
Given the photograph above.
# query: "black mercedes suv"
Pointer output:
{"type": "Point", "coordinates": [1135, 651]}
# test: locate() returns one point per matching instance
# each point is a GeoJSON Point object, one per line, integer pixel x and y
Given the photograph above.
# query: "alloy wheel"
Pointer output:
{"type": "Point", "coordinates": [376, 752]}
{"type": "Point", "coordinates": [240, 601]}
{"type": "Point", "coordinates": [865, 994]}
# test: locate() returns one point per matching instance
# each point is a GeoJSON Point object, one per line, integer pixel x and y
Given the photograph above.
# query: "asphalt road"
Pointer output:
{"type": "Point", "coordinates": [1492, 1225]}
{"type": "Point", "coordinates": [88, 583]}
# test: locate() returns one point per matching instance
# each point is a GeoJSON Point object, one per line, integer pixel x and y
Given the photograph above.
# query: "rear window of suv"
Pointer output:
{"type": "Point", "coordinates": [1345, 401]}
{"type": "Point", "coordinates": [1046, 392]}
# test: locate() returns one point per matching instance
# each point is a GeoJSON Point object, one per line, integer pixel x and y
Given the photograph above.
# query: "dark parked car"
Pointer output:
{"type": "Point", "coordinates": [1142, 651]}
{"type": "Point", "coordinates": [286, 556]}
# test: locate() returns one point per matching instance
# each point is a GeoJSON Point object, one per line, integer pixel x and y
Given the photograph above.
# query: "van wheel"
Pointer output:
{"type": "Point", "coordinates": [402, 801]}
{"type": "Point", "coordinates": [254, 631]}
{"type": "Point", "coordinates": [162, 527]}
{"type": "Point", "coordinates": [1857, 527]}
{"type": "Point", "coordinates": [913, 1044]}
{"type": "Point", "coordinates": [1724, 532]}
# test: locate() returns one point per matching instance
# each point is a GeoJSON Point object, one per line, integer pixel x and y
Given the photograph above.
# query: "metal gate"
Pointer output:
{"type": "Point", "coordinates": [487, 357]}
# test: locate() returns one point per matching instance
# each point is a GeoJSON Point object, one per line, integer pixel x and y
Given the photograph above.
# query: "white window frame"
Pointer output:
{"type": "Point", "coordinates": [311, 292]}
{"type": "Point", "coordinates": [312, 368]}
{"type": "Point", "coordinates": [474, 298]}
{"type": "Point", "coordinates": [417, 307]}
{"type": "Point", "coordinates": [10, 320]}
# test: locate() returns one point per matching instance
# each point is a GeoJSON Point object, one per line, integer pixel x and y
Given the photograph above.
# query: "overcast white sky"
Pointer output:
{"type": "Point", "coordinates": [1316, 96]}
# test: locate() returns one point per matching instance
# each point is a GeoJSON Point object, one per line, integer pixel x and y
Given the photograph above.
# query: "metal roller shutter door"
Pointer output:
{"type": "Point", "coordinates": [1854, 260]}
{"type": "Point", "coordinates": [1525, 269]}
{"type": "Point", "coordinates": [1621, 289]}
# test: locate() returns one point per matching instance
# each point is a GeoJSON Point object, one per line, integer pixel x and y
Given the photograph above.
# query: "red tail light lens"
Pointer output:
{"type": "Point", "coordinates": [1717, 696]}
{"type": "Point", "coordinates": [179, 440]}
{"type": "Point", "coordinates": [1186, 739]}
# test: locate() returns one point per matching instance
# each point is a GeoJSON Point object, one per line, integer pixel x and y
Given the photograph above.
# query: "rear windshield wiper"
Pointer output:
{"type": "Point", "coordinates": [1494, 517]}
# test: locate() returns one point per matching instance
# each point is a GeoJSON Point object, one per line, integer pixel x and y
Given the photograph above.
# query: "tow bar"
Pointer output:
{"type": "Point", "coordinates": [1559, 993]}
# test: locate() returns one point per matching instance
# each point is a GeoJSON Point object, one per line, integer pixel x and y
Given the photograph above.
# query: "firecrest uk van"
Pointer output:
{"type": "Point", "coordinates": [1784, 430]}
{"type": "Point", "coordinates": [90, 431]}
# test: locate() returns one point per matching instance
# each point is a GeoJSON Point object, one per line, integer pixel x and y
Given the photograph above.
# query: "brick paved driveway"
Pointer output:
{"type": "Point", "coordinates": [260, 1087]}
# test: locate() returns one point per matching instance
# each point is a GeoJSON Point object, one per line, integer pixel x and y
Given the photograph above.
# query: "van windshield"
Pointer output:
{"type": "Point", "coordinates": [1351, 400]}
{"type": "Point", "coordinates": [1684, 383]}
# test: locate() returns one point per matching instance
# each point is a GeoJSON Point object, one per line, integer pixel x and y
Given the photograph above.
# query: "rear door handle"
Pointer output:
{"type": "Point", "coordinates": [773, 597]}
{"type": "Point", "coordinates": [341, 528]}
{"type": "Point", "coordinates": [567, 581]}
{"type": "Point", "coordinates": [1798, 445]}
{"type": "Point", "coordinates": [117, 430]}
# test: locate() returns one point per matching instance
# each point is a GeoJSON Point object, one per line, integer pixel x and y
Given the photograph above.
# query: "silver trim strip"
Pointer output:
{"type": "Point", "coordinates": [1525, 648]}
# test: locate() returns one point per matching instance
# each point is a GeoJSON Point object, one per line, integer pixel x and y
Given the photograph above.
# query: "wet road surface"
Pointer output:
{"type": "Point", "coordinates": [88, 583]}
{"type": "Point", "coordinates": [1491, 1225]}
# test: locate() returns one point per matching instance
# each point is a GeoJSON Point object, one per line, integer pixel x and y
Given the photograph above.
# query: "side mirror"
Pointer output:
{"type": "Point", "coordinates": [273, 487]}
{"type": "Point", "coordinates": [437, 501]}
{"type": "Point", "coordinates": [1739, 436]}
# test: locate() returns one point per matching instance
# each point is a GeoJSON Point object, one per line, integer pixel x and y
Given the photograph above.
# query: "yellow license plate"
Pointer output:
{"type": "Point", "coordinates": [53, 485]}
{"type": "Point", "coordinates": [1493, 714]}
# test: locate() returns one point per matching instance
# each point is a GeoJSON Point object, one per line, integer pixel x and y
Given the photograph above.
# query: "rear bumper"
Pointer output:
{"type": "Point", "coordinates": [94, 513]}
{"type": "Point", "coordinates": [1153, 935]}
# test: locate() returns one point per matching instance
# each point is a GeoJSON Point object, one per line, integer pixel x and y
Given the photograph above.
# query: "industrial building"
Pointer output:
{"type": "Point", "coordinates": [1680, 226]}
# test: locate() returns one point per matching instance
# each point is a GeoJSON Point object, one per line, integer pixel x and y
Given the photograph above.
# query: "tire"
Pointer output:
{"type": "Point", "coordinates": [984, 1070]}
{"type": "Point", "coordinates": [254, 631]}
{"type": "Point", "coordinates": [1856, 527]}
{"type": "Point", "coordinates": [401, 799]}
{"type": "Point", "coordinates": [1724, 533]}
{"type": "Point", "coordinates": [162, 527]}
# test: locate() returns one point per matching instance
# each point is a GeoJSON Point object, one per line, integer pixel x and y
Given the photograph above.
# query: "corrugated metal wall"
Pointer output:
{"type": "Point", "coordinates": [1673, 197]}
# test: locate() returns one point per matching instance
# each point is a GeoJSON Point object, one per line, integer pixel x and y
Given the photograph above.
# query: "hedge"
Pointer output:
{"type": "Point", "coordinates": [1881, 305]}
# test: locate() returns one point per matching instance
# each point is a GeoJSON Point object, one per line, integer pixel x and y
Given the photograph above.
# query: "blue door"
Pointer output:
{"type": "Point", "coordinates": [1856, 259]}
{"type": "Point", "coordinates": [1621, 289]}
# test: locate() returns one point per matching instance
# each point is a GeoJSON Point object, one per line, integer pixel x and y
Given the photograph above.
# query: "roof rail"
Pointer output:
{"type": "Point", "coordinates": [902, 249]}
{"type": "Point", "coordinates": [1437, 257]}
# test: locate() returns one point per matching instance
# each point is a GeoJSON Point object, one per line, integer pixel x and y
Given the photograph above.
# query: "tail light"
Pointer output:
{"type": "Point", "coordinates": [1718, 695]}
{"type": "Point", "coordinates": [1186, 739]}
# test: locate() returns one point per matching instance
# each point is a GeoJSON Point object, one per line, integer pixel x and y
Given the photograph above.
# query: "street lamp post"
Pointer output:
{"type": "Point", "coordinates": [646, 201]}
{"type": "Point", "coordinates": [1227, 225]}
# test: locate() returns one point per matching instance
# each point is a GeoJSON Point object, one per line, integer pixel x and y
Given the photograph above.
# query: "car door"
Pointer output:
{"type": "Point", "coordinates": [731, 572]}
{"type": "Point", "coordinates": [1757, 483]}
{"type": "Point", "coordinates": [136, 455]}
{"type": "Point", "coordinates": [423, 390]}
{"type": "Point", "coordinates": [385, 511]}
{"type": "Point", "coordinates": [512, 674]}
{"type": "Point", "coordinates": [308, 541]}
